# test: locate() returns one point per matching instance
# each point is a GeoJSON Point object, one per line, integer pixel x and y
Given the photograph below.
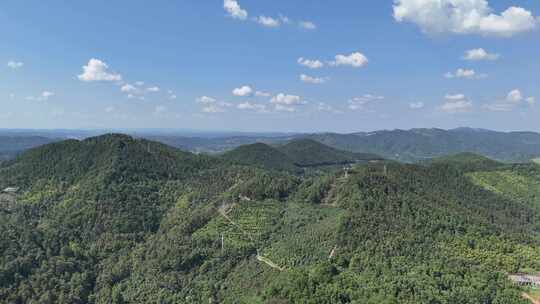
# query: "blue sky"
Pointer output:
{"type": "Point", "coordinates": [251, 65]}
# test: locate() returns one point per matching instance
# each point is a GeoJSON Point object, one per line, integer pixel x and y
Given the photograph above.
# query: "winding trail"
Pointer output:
{"type": "Point", "coordinates": [260, 258]}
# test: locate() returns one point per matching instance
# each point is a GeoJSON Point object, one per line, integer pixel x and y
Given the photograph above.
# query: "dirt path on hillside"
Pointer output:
{"type": "Point", "coordinates": [260, 258]}
{"type": "Point", "coordinates": [528, 297]}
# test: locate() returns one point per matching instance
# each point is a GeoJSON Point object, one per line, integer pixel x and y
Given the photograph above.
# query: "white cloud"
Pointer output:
{"type": "Point", "coordinates": [308, 25]}
{"type": "Point", "coordinates": [287, 100]}
{"type": "Point", "coordinates": [284, 19]}
{"type": "Point", "coordinates": [128, 88]}
{"type": "Point", "coordinates": [252, 106]}
{"type": "Point", "coordinates": [212, 105]}
{"type": "Point", "coordinates": [324, 107]}
{"type": "Point", "coordinates": [361, 103]}
{"type": "Point", "coordinates": [262, 94]}
{"type": "Point", "coordinates": [313, 80]}
{"type": "Point", "coordinates": [356, 60]}
{"type": "Point", "coordinates": [206, 100]}
{"type": "Point", "coordinates": [153, 89]}
{"type": "Point", "coordinates": [312, 64]}
{"type": "Point", "coordinates": [243, 91]}
{"type": "Point", "coordinates": [109, 109]}
{"type": "Point", "coordinates": [15, 64]}
{"type": "Point", "coordinates": [513, 99]}
{"type": "Point", "coordinates": [268, 21]}
{"type": "Point", "coordinates": [139, 83]}
{"type": "Point", "coordinates": [416, 105]}
{"type": "Point", "coordinates": [480, 54]}
{"type": "Point", "coordinates": [465, 74]}
{"type": "Point", "coordinates": [283, 108]}
{"type": "Point", "coordinates": [44, 96]}
{"type": "Point", "coordinates": [172, 97]}
{"type": "Point", "coordinates": [457, 103]}
{"type": "Point", "coordinates": [213, 109]}
{"type": "Point", "coordinates": [234, 10]}
{"type": "Point", "coordinates": [463, 17]}
{"type": "Point", "coordinates": [97, 70]}
{"type": "Point", "coordinates": [514, 96]}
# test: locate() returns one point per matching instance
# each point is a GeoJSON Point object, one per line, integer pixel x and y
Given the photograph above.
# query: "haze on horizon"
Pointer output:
{"type": "Point", "coordinates": [276, 66]}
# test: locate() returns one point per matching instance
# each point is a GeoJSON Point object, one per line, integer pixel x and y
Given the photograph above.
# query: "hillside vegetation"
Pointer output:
{"type": "Point", "coordinates": [421, 144]}
{"type": "Point", "coordinates": [114, 219]}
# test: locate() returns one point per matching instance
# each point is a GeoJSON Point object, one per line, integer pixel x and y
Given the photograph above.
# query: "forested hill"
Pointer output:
{"type": "Point", "coordinates": [294, 156]}
{"type": "Point", "coordinates": [307, 152]}
{"type": "Point", "coordinates": [114, 219]}
{"type": "Point", "coordinates": [421, 144]}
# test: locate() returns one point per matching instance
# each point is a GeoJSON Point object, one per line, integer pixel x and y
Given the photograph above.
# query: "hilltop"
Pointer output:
{"type": "Point", "coordinates": [262, 155]}
{"type": "Point", "coordinates": [124, 220]}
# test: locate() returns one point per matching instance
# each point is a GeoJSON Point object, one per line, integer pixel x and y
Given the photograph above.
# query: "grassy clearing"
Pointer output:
{"type": "Point", "coordinates": [536, 160]}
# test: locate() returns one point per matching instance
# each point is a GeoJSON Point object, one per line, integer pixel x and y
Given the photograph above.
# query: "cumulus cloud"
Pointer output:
{"type": "Point", "coordinates": [307, 25]}
{"type": "Point", "coordinates": [361, 103]}
{"type": "Point", "coordinates": [15, 64]}
{"type": "Point", "coordinates": [457, 103]}
{"type": "Point", "coordinates": [356, 60]}
{"type": "Point", "coordinates": [260, 108]}
{"type": "Point", "coordinates": [312, 64]}
{"type": "Point", "coordinates": [234, 10]}
{"type": "Point", "coordinates": [243, 91]}
{"type": "Point", "coordinates": [262, 94]}
{"type": "Point", "coordinates": [480, 54]}
{"type": "Point", "coordinates": [268, 21]}
{"type": "Point", "coordinates": [463, 17]}
{"type": "Point", "coordinates": [206, 100]}
{"type": "Point", "coordinates": [465, 74]}
{"type": "Point", "coordinates": [416, 105]}
{"type": "Point", "coordinates": [312, 80]}
{"type": "Point", "coordinates": [514, 96]}
{"type": "Point", "coordinates": [513, 99]}
{"type": "Point", "coordinates": [153, 89]}
{"type": "Point", "coordinates": [97, 70]}
{"type": "Point", "coordinates": [109, 109]}
{"type": "Point", "coordinates": [128, 88]}
{"type": "Point", "coordinates": [287, 100]}
{"type": "Point", "coordinates": [212, 105]}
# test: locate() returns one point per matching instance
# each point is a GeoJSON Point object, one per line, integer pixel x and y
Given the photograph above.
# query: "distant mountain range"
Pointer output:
{"type": "Point", "coordinates": [402, 145]}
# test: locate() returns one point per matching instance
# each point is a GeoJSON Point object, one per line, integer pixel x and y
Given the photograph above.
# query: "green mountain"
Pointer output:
{"type": "Point", "coordinates": [421, 144]}
{"type": "Point", "coordinates": [114, 219]}
{"type": "Point", "coordinates": [263, 156]}
{"type": "Point", "coordinates": [310, 153]}
{"type": "Point", "coordinates": [294, 156]}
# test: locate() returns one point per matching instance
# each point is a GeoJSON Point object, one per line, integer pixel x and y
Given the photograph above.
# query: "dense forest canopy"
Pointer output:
{"type": "Point", "coordinates": [113, 219]}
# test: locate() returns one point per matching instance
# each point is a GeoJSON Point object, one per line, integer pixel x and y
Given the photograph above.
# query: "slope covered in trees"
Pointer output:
{"type": "Point", "coordinates": [421, 144]}
{"type": "Point", "coordinates": [263, 156]}
{"type": "Point", "coordinates": [118, 220]}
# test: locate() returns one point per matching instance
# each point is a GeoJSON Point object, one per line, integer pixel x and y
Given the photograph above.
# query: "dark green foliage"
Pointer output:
{"type": "Point", "coordinates": [263, 156]}
{"type": "Point", "coordinates": [118, 220]}
{"type": "Point", "coordinates": [310, 153]}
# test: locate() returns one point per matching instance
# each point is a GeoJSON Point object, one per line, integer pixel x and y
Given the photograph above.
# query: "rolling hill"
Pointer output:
{"type": "Point", "coordinates": [114, 219]}
{"type": "Point", "coordinates": [421, 144]}
{"type": "Point", "coordinates": [294, 156]}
